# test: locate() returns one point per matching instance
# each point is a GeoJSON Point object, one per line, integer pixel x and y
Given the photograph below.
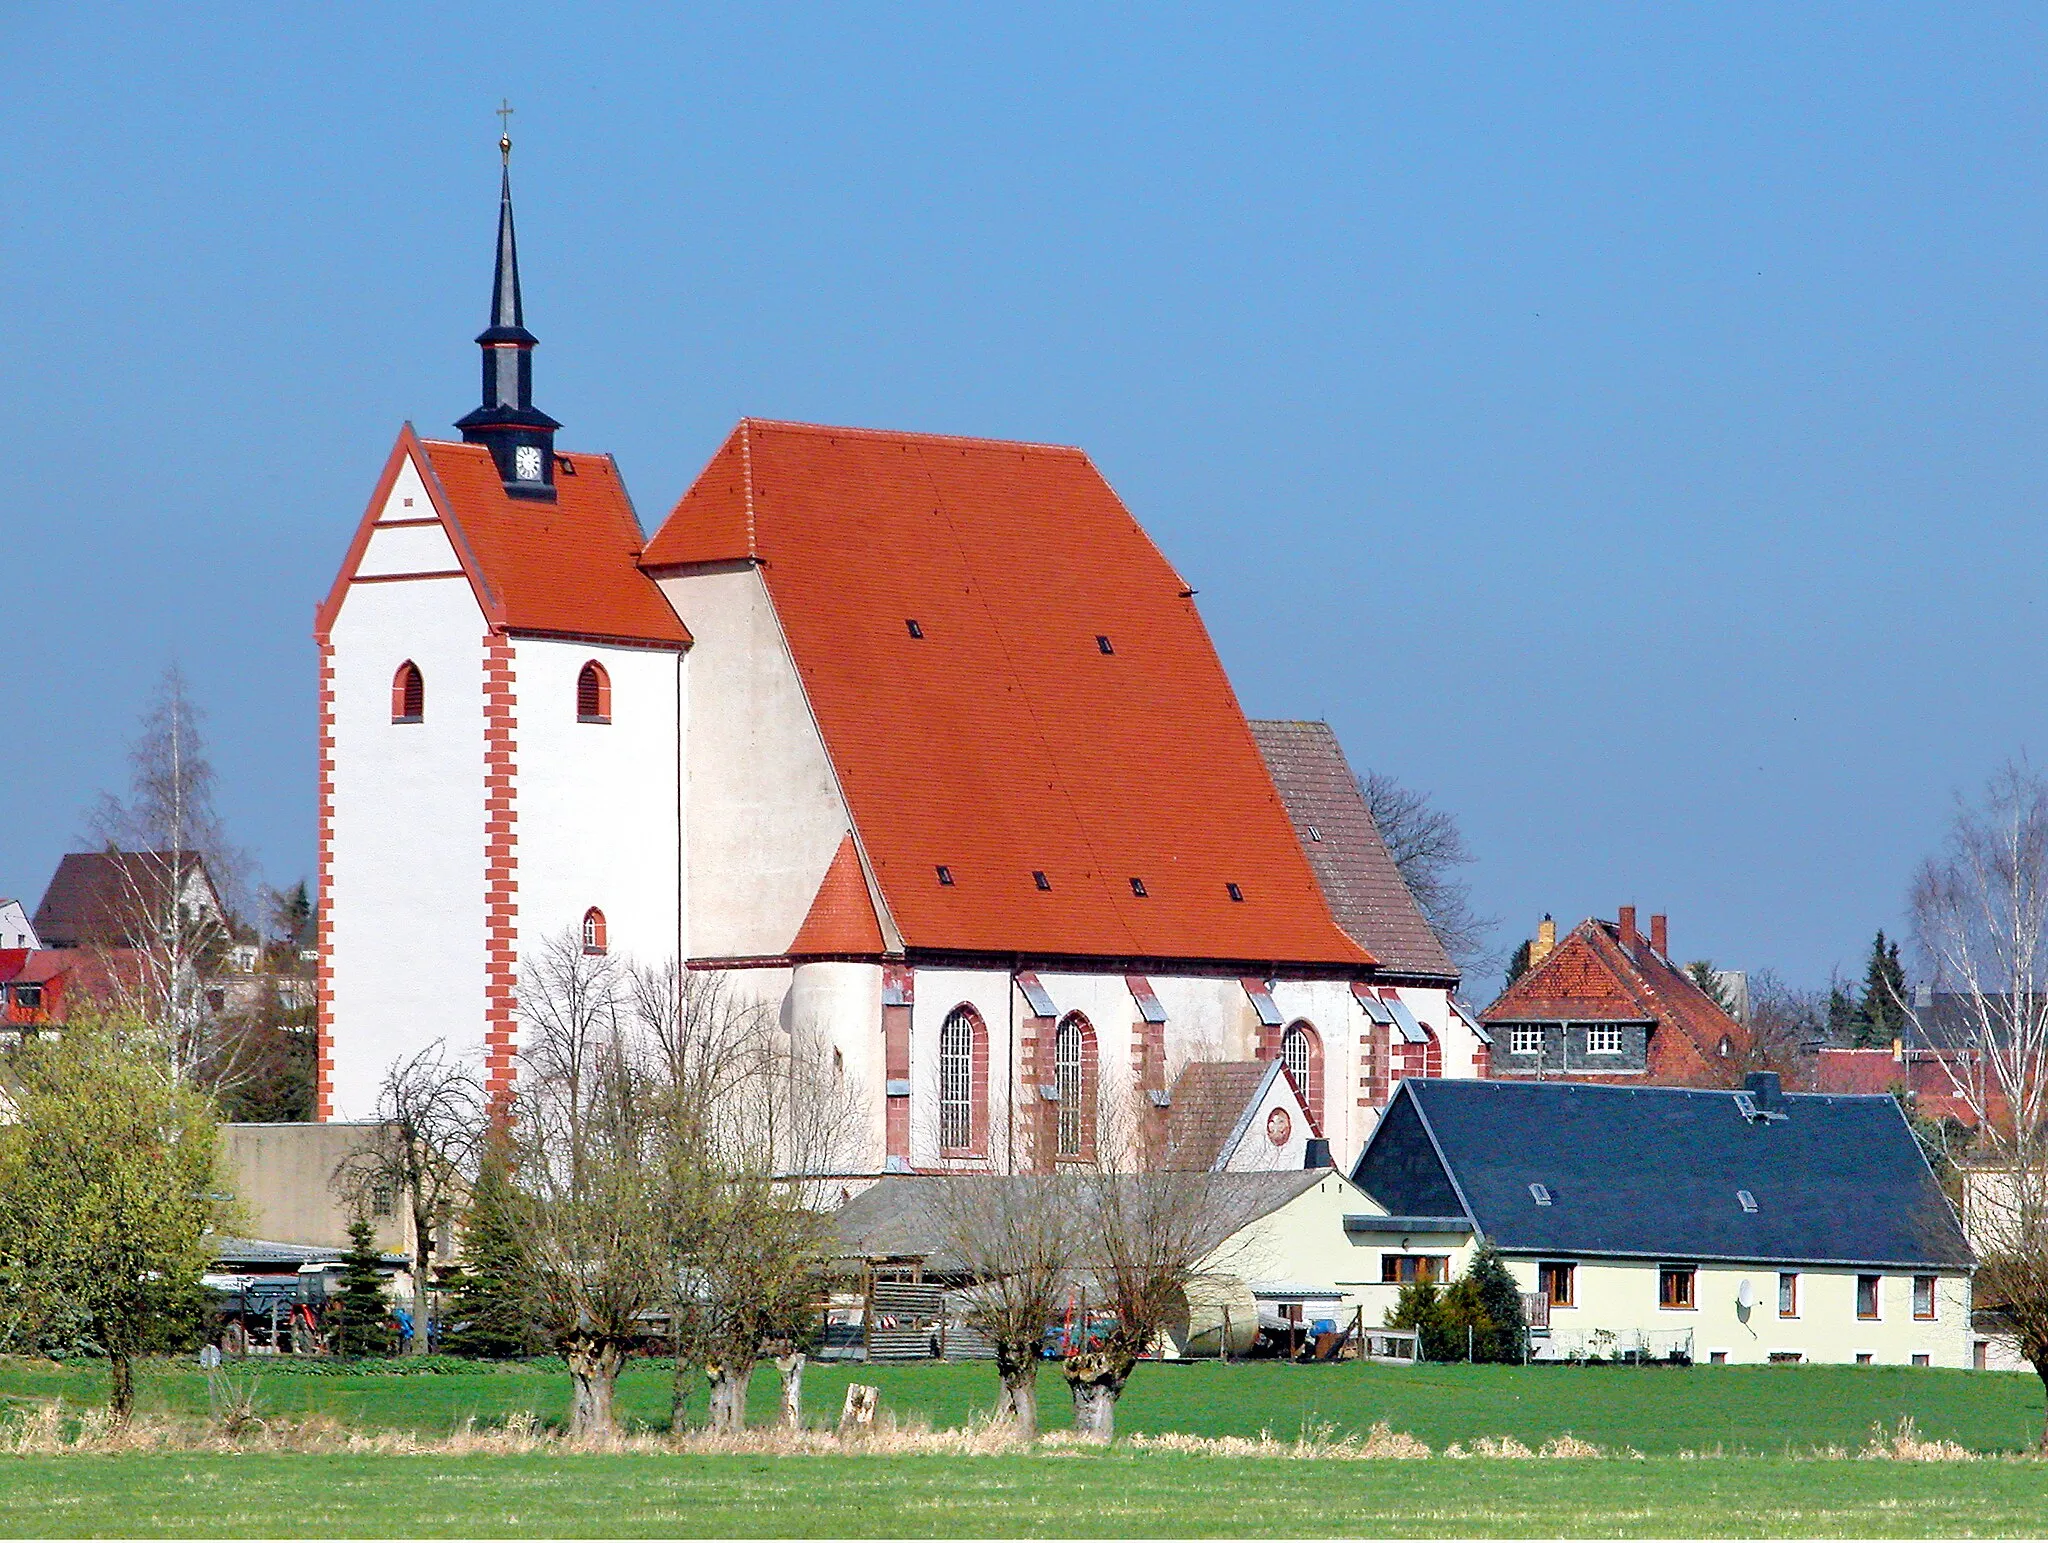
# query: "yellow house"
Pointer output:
{"type": "Point", "coordinates": [1738, 1226]}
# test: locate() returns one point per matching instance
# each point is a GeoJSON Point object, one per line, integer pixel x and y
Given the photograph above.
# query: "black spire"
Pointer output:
{"type": "Point", "coordinates": [521, 438]}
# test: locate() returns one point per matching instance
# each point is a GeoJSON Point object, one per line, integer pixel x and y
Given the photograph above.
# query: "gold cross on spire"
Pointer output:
{"type": "Point", "coordinates": [505, 111]}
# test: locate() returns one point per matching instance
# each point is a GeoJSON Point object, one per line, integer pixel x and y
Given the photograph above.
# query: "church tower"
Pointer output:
{"type": "Point", "coordinates": [520, 437]}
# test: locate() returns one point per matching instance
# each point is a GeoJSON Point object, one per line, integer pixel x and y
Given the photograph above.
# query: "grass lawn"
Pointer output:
{"type": "Point", "coordinates": [1761, 1418]}
{"type": "Point", "coordinates": [1764, 1411]}
{"type": "Point", "coordinates": [1121, 1495]}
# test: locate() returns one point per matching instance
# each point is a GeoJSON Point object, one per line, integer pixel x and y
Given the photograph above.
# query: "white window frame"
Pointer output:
{"type": "Point", "coordinates": [956, 1081]}
{"type": "Point", "coordinates": [1068, 1045]}
{"type": "Point", "coordinates": [1603, 1039]}
{"type": "Point", "coordinates": [1521, 1037]}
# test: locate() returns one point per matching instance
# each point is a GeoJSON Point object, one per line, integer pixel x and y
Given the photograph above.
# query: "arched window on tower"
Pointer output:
{"type": "Point", "coordinates": [1301, 1052]}
{"type": "Point", "coordinates": [963, 1084]}
{"type": "Point", "coordinates": [408, 694]}
{"type": "Point", "coordinates": [594, 941]}
{"type": "Point", "coordinates": [1073, 1080]}
{"type": "Point", "coordinates": [593, 694]}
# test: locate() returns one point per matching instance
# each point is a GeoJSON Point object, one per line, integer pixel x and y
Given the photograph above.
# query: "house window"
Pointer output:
{"type": "Point", "coordinates": [1920, 1358]}
{"type": "Point", "coordinates": [1555, 1280]}
{"type": "Point", "coordinates": [1603, 1039]}
{"type": "Point", "coordinates": [1788, 1296]}
{"type": "Point", "coordinates": [1864, 1358]}
{"type": "Point", "coordinates": [1717, 1358]}
{"type": "Point", "coordinates": [594, 941]}
{"type": "Point", "coordinates": [1923, 1296]}
{"type": "Point", "coordinates": [382, 1200]}
{"type": "Point", "coordinates": [1675, 1286]}
{"type": "Point", "coordinates": [1406, 1269]}
{"type": "Point", "coordinates": [1786, 1358]}
{"type": "Point", "coordinates": [962, 1044]}
{"type": "Point", "coordinates": [593, 694]}
{"type": "Point", "coordinates": [1301, 1052]}
{"type": "Point", "coordinates": [1527, 1039]}
{"type": "Point", "coordinates": [1866, 1296]}
{"type": "Point", "coordinates": [26, 995]}
{"type": "Point", "coordinates": [1073, 1055]}
{"type": "Point", "coordinates": [408, 694]}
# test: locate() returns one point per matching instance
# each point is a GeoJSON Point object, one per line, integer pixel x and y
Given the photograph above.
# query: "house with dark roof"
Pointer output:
{"type": "Point", "coordinates": [917, 740]}
{"type": "Point", "coordinates": [117, 899]}
{"type": "Point", "coordinates": [1607, 1003]}
{"type": "Point", "coordinates": [1731, 1226]}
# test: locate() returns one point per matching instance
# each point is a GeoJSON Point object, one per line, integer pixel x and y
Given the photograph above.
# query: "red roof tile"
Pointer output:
{"type": "Point", "coordinates": [842, 916]}
{"type": "Point", "coordinates": [569, 567]}
{"type": "Point", "coordinates": [1006, 740]}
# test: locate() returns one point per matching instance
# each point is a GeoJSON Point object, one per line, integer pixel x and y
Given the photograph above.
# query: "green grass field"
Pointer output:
{"type": "Point", "coordinates": [1762, 1420]}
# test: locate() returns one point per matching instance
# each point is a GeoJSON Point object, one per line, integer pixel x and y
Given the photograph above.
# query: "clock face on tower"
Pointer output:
{"type": "Point", "coordinates": [526, 463]}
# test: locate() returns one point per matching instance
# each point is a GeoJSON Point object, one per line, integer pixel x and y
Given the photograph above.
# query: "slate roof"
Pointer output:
{"type": "Point", "coordinates": [1592, 977]}
{"type": "Point", "coordinates": [107, 899]}
{"type": "Point", "coordinates": [1364, 888]}
{"type": "Point", "coordinates": [1653, 1173]}
{"type": "Point", "coordinates": [1060, 709]}
{"type": "Point", "coordinates": [566, 568]}
{"type": "Point", "coordinates": [903, 1216]}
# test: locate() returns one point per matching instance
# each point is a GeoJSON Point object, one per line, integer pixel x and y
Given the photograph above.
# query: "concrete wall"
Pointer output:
{"type": "Point", "coordinates": [283, 1182]}
{"type": "Point", "coordinates": [405, 889]}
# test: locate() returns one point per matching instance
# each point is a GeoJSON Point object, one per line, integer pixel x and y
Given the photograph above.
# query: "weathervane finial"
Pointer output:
{"type": "Point", "coordinates": [505, 111]}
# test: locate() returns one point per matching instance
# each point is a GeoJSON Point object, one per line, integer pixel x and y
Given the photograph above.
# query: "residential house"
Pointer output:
{"type": "Point", "coordinates": [1724, 1226]}
{"type": "Point", "coordinates": [43, 986]}
{"type": "Point", "coordinates": [1606, 1003]}
{"type": "Point", "coordinates": [16, 931]}
{"type": "Point", "coordinates": [127, 899]}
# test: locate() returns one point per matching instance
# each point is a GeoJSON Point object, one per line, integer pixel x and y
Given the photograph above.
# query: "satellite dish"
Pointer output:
{"type": "Point", "coordinates": [1745, 1295]}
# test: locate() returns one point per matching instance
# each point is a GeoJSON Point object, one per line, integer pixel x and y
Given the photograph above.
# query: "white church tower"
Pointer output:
{"type": "Point", "coordinates": [501, 700]}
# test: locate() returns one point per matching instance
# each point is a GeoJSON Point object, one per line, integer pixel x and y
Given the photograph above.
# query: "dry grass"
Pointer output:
{"type": "Point", "coordinates": [1905, 1444]}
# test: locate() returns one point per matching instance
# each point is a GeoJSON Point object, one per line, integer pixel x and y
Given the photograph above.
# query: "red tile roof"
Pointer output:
{"type": "Point", "coordinates": [1008, 740]}
{"type": "Point", "coordinates": [1591, 977]}
{"type": "Point", "coordinates": [842, 918]}
{"type": "Point", "coordinates": [568, 568]}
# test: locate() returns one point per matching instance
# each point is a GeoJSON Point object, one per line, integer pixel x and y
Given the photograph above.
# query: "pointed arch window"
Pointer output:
{"type": "Point", "coordinates": [963, 1084]}
{"type": "Point", "coordinates": [1301, 1052]}
{"type": "Point", "coordinates": [1073, 1080]}
{"type": "Point", "coordinates": [408, 694]}
{"type": "Point", "coordinates": [594, 939]}
{"type": "Point", "coordinates": [593, 694]}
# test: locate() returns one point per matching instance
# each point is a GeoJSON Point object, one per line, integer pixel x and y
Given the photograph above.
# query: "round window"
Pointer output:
{"type": "Point", "coordinates": [1279, 1126]}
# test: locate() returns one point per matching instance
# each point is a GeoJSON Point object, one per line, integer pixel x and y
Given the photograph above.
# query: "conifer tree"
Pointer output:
{"type": "Point", "coordinates": [1499, 1323]}
{"type": "Point", "coordinates": [1518, 963]}
{"type": "Point", "coordinates": [1881, 1011]}
{"type": "Point", "coordinates": [486, 1311]}
{"type": "Point", "coordinates": [358, 1321]}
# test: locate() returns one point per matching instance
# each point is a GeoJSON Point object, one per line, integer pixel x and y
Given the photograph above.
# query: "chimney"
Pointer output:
{"type": "Point", "coordinates": [1546, 940]}
{"type": "Point", "coordinates": [1628, 926]}
{"type": "Point", "coordinates": [1317, 1154]}
{"type": "Point", "coordinates": [1764, 1088]}
{"type": "Point", "coordinates": [1660, 933]}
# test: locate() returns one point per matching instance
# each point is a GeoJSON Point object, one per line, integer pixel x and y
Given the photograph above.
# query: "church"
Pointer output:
{"type": "Point", "coordinates": [919, 739]}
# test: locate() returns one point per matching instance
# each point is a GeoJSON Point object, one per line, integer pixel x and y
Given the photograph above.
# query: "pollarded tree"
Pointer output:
{"type": "Point", "coordinates": [108, 1187]}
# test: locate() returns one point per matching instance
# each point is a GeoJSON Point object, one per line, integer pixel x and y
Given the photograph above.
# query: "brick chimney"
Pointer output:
{"type": "Point", "coordinates": [1546, 940]}
{"type": "Point", "coordinates": [1628, 926]}
{"type": "Point", "coordinates": [1660, 934]}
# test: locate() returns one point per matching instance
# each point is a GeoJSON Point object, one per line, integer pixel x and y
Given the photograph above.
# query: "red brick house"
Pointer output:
{"type": "Point", "coordinates": [1607, 1004]}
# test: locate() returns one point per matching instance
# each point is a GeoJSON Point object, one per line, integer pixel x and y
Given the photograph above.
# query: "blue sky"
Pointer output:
{"type": "Point", "coordinates": [1624, 424]}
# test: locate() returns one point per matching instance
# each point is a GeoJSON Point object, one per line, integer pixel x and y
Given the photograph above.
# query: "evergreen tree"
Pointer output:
{"type": "Point", "coordinates": [1420, 1307]}
{"type": "Point", "coordinates": [1881, 1011]}
{"type": "Point", "coordinates": [1841, 1015]}
{"type": "Point", "coordinates": [1708, 979]}
{"type": "Point", "coordinates": [1518, 963]}
{"type": "Point", "coordinates": [358, 1321]}
{"type": "Point", "coordinates": [1499, 1322]}
{"type": "Point", "coordinates": [486, 1312]}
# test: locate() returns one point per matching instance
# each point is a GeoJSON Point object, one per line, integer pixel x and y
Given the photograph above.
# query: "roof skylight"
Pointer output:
{"type": "Point", "coordinates": [1138, 887]}
{"type": "Point", "coordinates": [1745, 1199]}
{"type": "Point", "coordinates": [1540, 1193]}
{"type": "Point", "coordinates": [915, 630]}
{"type": "Point", "coordinates": [1038, 877]}
{"type": "Point", "coordinates": [1102, 642]}
{"type": "Point", "coordinates": [945, 875]}
{"type": "Point", "coordinates": [1234, 892]}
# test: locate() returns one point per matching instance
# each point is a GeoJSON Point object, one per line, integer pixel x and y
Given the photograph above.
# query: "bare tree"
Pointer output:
{"type": "Point", "coordinates": [593, 1261]}
{"type": "Point", "coordinates": [180, 881]}
{"type": "Point", "coordinates": [1016, 1240]}
{"type": "Point", "coordinates": [1784, 1023]}
{"type": "Point", "coordinates": [1429, 849]}
{"type": "Point", "coordinates": [430, 1127]}
{"type": "Point", "coordinates": [1980, 916]}
{"type": "Point", "coordinates": [750, 1119]}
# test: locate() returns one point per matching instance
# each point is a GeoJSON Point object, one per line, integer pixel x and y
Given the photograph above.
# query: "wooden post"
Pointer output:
{"type": "Point", "coordinates": [1223, 1345]}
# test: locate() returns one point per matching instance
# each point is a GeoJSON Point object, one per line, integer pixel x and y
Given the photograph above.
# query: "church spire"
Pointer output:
{"type": "Point", "coordinates": [521, 438]}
